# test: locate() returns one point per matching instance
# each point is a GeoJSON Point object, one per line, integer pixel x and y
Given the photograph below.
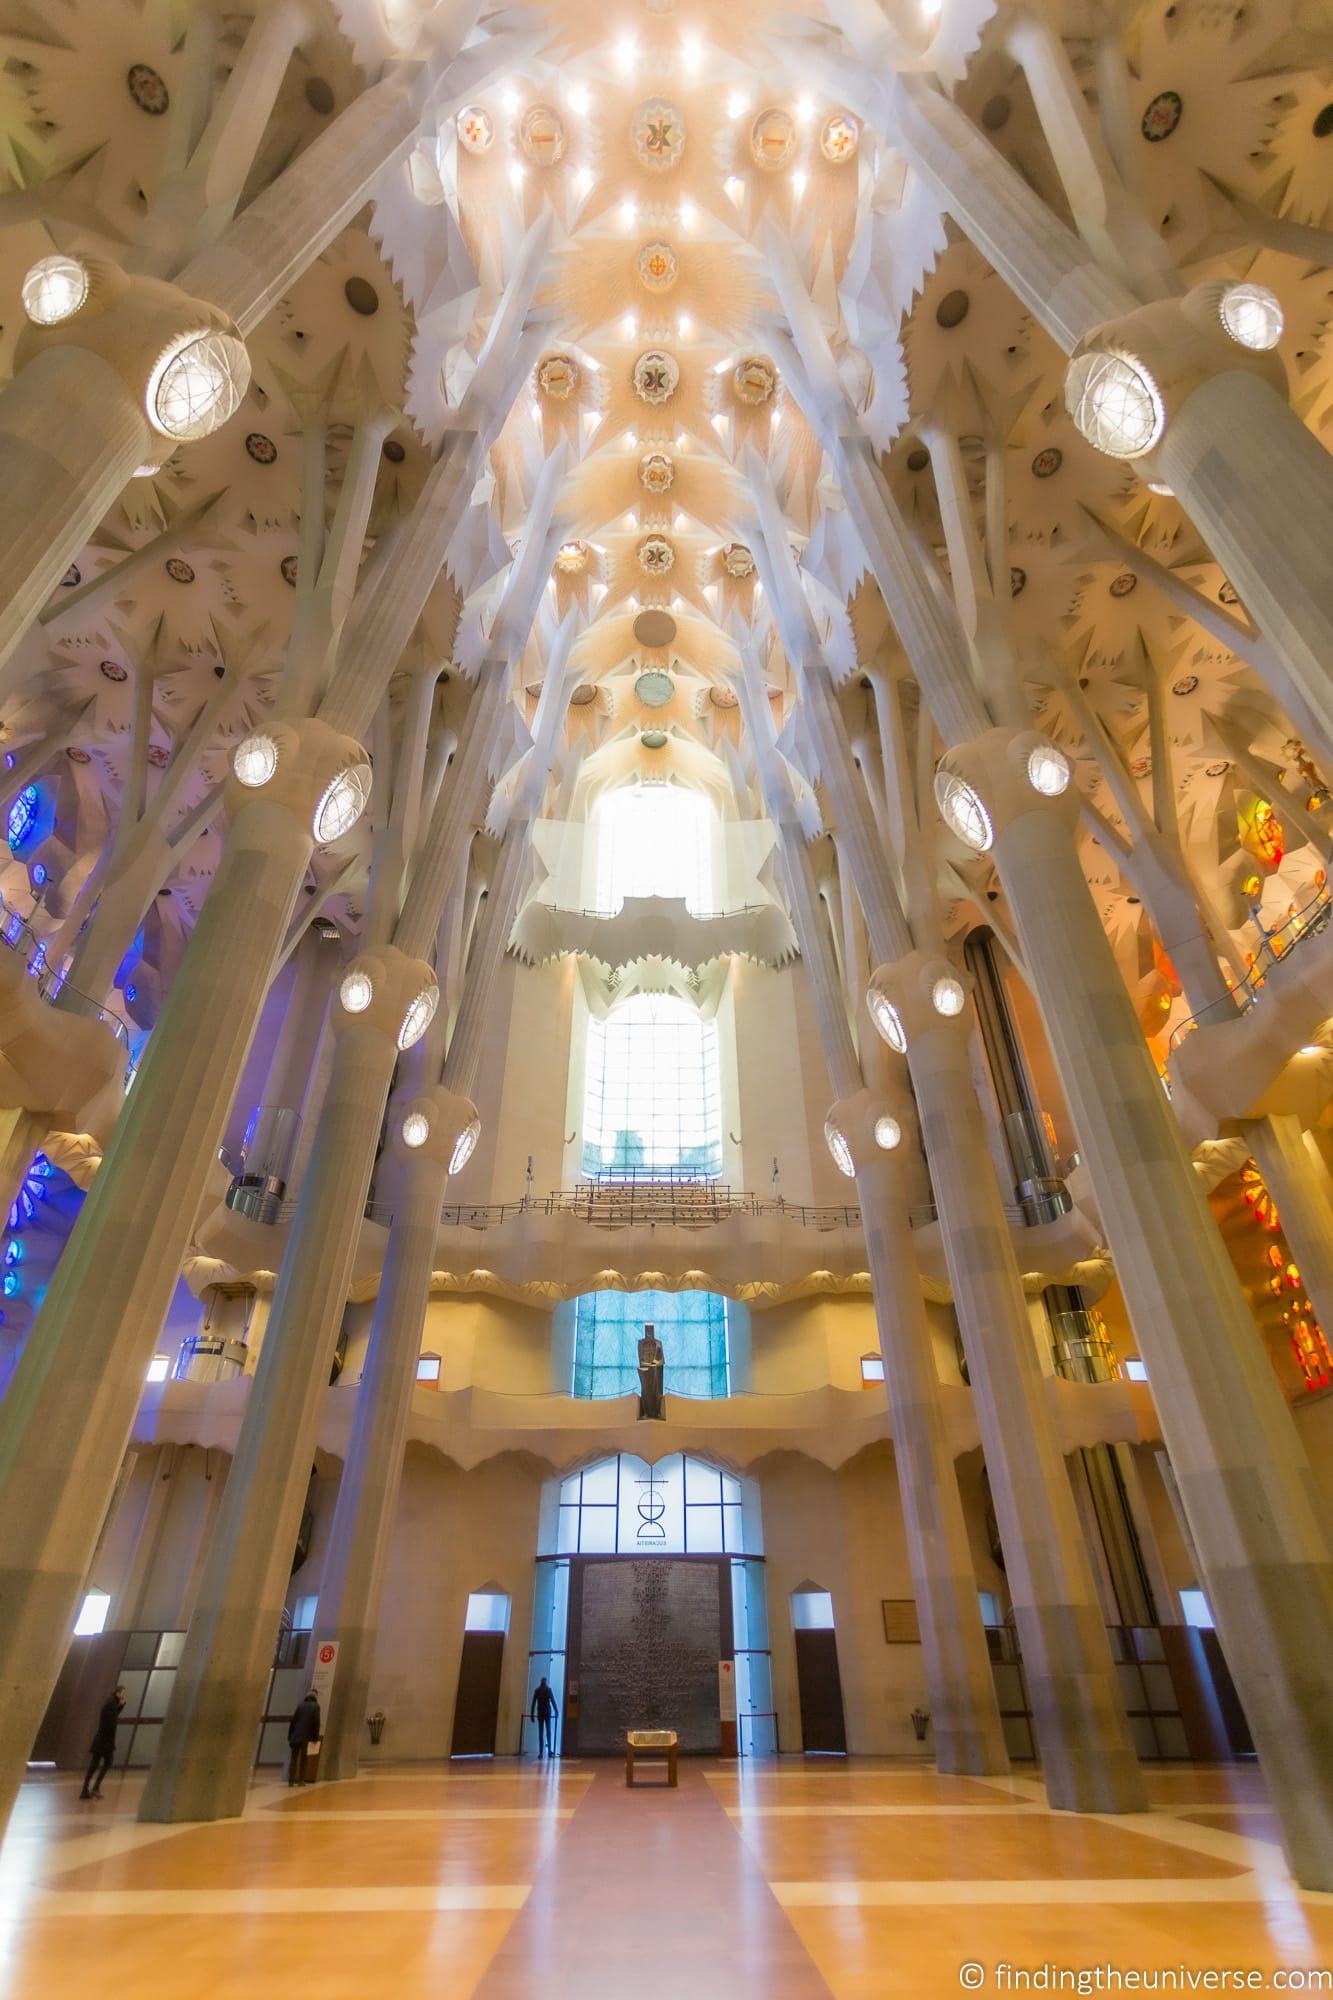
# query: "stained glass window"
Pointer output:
{"type": "Point", "coordinates": [692, 1327]}
{"type": "Point", "coordinates": [681, 1506]}
{"type": "Point", "coordinates": [22, 817]}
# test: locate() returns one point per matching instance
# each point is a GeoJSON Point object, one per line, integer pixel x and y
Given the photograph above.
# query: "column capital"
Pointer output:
{"type": "Point", "coordinates": [388, 992]}
{"type": "Point", "coordinates": [320, 775]}
{"type": "Point", "coordinates": [438, 1125]}
{"type": "Point", "coordinates": [922, 993]}
{"type": "Point", "coordinates": [870, 1130]}
{"type": "Point", "coordinates": [183, 359]}
{"type": "Point", "coordinates": [982, 786]}
{"type": "Point", "coordinates": [1128, 377]}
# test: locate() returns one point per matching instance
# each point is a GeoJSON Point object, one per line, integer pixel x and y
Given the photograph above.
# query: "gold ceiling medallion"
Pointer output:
{"type": "Point", "coordinates": [659, 267]}
{"type": "Point", "coordinates": [840, 138]}
{"type": "Point", "coordinates": [773, 140]}
{"type": "Point", "coordinates": [542, 135]}
{"type": "Point", "coordinates": [656, 376]}
{"type": "Point", "coordinates": [656, 555]}
{"type": "Point", "coordinates": [737, 560]}
{"type": "Point", "coordinates": [584, 695]}
{"type": "Point", "coordinates": [558, 377]}
{"type": "Point", "coordinates": [476, 129]}
{"type": "Point", "coordinates": [571, 557]}
{"type": "Point", "coordinates": [754, 379]}
{"type": "Point", "coordinates": [658, 134]}
{"type": "Point", "coordinates": [657, 472]}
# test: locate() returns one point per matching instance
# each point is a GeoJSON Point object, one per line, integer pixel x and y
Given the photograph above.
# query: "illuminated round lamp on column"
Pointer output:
{"type": "Point", "coordinates": [416, 1129]}
{"type": "Point", "coordinates": [1115, 403]}
{"type": "Point", "coordinates": [418, 1017]}
{"type": "Point", "coordinates": [357, 991]}
{"type": "Point", "coordinates": [839, 1151]}
{"type": "Point", "coordinates": [887, 1020]}
{"type": "Point", "coordinates": [465, 1145]}
{"type": "Point", "coordinates": [962, 811]}
{"type": "Point", "coordinates": [54, 289]}
{"type": "Point", "coordinates": [888, 1133]}
{"type": "Point", "coordinates": [1252, 316]}
{"type": "Point", "coordinates": [255, 759]}
{"type": "Point", "coordinates": [198, 385]}
{"type": "Point", "coordinates": [342, 803]}
{"type": "Point", "coordinates": [947, 996]}
{"type": "Point", "coordinates": [1048, 770]}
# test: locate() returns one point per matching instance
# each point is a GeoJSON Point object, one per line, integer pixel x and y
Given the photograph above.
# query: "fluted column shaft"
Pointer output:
{"type": "Point", "coordinates": [964, 1714]}
{"type": "Point", "coordinates": [1298, 1182]}
{"type": "Point", "coordinates": [1088, 1758]}
{"type": "Point", "coordinates": [352, 1586]}
{"type": "Point", "coordinates": [66, 1419]}
{"type": "Point", "coordinates": [203, 1763]}
{"type": "Point", "coordinates": [72, 432]}
{"type": "Point", "coordinates": [1247, 1488]}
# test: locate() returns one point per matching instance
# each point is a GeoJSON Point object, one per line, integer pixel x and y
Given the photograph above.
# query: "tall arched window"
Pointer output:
{"type": "Point", "coordinates": [654, 840]}
{"type": "Point", "coordinates": [653, 1103]}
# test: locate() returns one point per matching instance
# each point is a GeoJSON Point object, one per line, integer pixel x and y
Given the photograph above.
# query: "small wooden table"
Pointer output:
{"type": "Point", "coordinates": [650, 1746]}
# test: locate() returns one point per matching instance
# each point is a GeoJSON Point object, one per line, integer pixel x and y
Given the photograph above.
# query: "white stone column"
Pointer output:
{"type": "Point", "coordinates": [1298, 1184]}
{"type": "Point", "coordinates": [1252, 1503]}
{"type": "Point", "coordinates": [1088, 1759]}
{"type": "Point", "coordinates": [964, 1713]}
{"type": "Point", "coordinates": [66, 1418]}
{"type": "Point", "coordinates": [1259, 488]}
{"type": "Point", "coordinates": [353, 1581]}
{"type": "Point", "coordinates": [1055, 274]}
{"type": "Point", "coordinates": [203, 1763]}
{"type": "Point", "coordinates": [965, 1718]}
{"type": "Point", "coordinates": [72, 432]}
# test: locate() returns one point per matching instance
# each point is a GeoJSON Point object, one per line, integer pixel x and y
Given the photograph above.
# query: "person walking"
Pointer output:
{"type": "Point", "coordinates": [544, 1713]}
{"type": "Point", "coordinates": [103, 1745]}
{"type": "Point", "coordinates": [303, 1730]}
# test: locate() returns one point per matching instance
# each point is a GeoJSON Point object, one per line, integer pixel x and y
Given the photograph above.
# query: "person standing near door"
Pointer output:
{"type": "Point", "coordinates": [544, 1712]}
{"type": "Point", "coordinates": [302, 1731]}
{"type": "Point", "coordinates": [103, 1745]}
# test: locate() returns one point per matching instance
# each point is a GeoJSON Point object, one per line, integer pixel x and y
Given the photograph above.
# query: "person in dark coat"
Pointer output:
{"type": "Point", "coordinates": [103, 1745]}
{"type": "Point", "coordinates": [303, 1730]}
{"type": "Point", "coordinates": [544, 1712]}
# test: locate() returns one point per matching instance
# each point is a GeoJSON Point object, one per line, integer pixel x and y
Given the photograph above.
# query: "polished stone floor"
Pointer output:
{"type": "Point", "coordinates": [853, 1878]}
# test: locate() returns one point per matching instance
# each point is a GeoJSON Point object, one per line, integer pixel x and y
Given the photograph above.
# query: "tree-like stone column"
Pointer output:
{"type": "Point", "coordinates": [1297, 1179]}
{"type": "Point", "coordinates": [1088, 1759]}
{"type": "Point", "coordinates": [203, 1762]}
{"type": "Point", "coordinates": [67, 1416]}
{"type": "Point", "coordinates": [1247, 1488]}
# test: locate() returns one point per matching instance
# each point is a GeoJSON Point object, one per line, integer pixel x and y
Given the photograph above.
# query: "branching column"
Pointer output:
{"type": "Point", "coordinates": [432, 1131]}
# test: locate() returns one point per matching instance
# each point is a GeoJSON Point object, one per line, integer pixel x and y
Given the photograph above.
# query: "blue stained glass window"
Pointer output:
{"type": "Point", "coordinates": [39, 874]}
{"type": "Point", "coordinates": [692, 1327]}
{"type": "Point", "coordinates": [22, 816]}
{"type": "Point", "coordinates": [10, 1284]}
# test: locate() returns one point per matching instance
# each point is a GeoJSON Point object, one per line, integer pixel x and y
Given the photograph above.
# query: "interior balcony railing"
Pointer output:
{"type": "Point", "coordinates": [1303, 924]}
{"type": "Point", "coordinates": [17, 933]}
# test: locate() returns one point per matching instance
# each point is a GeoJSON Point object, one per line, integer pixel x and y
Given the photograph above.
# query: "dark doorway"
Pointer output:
{"type": "Point", "coordinates": [477, 1705]}
{"type": "Point", "coordinates": [818, 1682]}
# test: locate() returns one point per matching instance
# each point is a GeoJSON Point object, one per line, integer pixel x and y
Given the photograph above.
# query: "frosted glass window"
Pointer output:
{"type": "Point", "coordinates": [487, 1611]}
{"type": "Point", "coordinates": [653, 1103]}
{"type": "Point", "coordinates": [1196, 1609]}
{"type": "Point", "coordinates": [92, 1615]}
{"type": "Point", "coordinates": [872, 1368]}
{"type": "Point", "coordinates": [680, 1506]}
{"type": "Point", "coordinates": [654, 840]}
{"type": "Point", "coordinates": [692, 1327]}
{"type": "Point", "coordinates": [812, 1611]}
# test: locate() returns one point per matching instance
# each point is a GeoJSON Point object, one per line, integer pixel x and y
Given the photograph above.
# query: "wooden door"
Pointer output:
{"type": "Point", "coordinates": [820, 1687]}
{"type": "Point", "coordinates": [477, 1703]}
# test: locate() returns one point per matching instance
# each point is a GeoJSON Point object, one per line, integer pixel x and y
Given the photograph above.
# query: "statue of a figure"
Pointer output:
{"type": "Point", "coordinates": [652, 1367]}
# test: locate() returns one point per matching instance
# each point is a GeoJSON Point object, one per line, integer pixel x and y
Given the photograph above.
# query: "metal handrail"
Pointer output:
{"type": "Point", "coordinates": [1308, 921]}
{"type": "Point", "coordinates": [695, 916]}
{"type": "Point", "coordinates": [16, 931]}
